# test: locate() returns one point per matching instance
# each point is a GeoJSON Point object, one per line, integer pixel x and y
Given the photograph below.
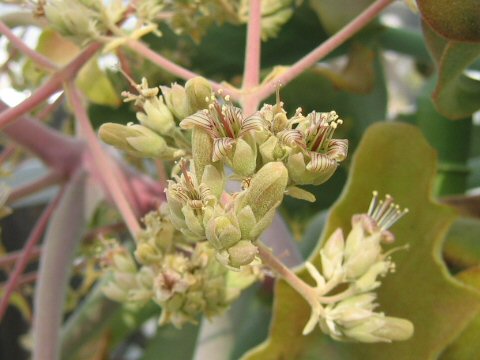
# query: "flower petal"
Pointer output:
{"type": "Point", "coordinates": [292, 137]}
{"type": "Point", "coordinates": [337, 149]}
{"type": "Point", "coordinates": [221, 146]}
{"type": "Point", "coordinates": [200, 119]}
{"type": "Point", "coordinates": [254, 122]}
{"type": "Point", "coordinates": [321, 163]}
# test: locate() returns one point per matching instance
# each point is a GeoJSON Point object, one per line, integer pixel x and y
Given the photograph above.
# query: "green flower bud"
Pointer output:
{"type": "Point", "coordinates": [332, 254]}
{"type": "Point", "coordinates": [214, 179]}
{"type": "Point", "coordinates": [266, 189]}
{"type": "Point", "coordinates": [177, 101]}
{"type": "Point", "coordinates": [359, 262]}
{"type": "Point", "coordinates": [157, 116]}
{"type": "Point", "coordinates": [244, 159]}
{"type": "Point", "coordinates": [148, 254]}
{"type": "Point", "coordinates": [223, 231]}
{"type": "Point", "coordinates": [242, 253]}
{"type": "Point", "coordinates": [202, 149]}
{"type": "Point", "coordinates": [137, 140]}
{"type": "Point", "coordinates": [379, 328]}
{"type": "Point", "coordinates": [199, 92]}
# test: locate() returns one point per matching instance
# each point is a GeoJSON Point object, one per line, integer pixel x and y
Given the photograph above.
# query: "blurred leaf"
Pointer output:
{"type": "Point", "coordinates": [311, 235]}
{"type": "Point", "coordinates": [334, 14]}
{"type": "Point", "coordinates": [172, 343]}
{"type": "Point", "coordinates": [456, 95]}
{"type": "Point", "coordinates": [358, 76]}
{"type": "Point", "coordinates": [421, 290]}
{"type": "Point", "coordinates": [455, 20]}
{"type": "Point", "coordinates": [96, 86]}
{"type": "Point", "coordinates": [251, 315]}
{"type": "Point", "coordinates": [466, 346]}
{"type": "Point", "coordinates": [93, 82]}
{"type": "Point", "coordinates": [467, 205]}
{"type": "Point", "coordinates": [462, 244]}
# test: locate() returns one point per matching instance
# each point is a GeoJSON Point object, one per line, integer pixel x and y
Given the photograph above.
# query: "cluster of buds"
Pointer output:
{"type": "Point", "coordinates": [158, 135]}
{"type": "Point", "coordinates": [184, 279]}
{"type": "Point", "coordinates": [357, 263]}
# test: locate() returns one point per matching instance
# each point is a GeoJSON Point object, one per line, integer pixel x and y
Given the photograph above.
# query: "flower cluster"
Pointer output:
{"type": "Point", "coordinates": [184, 279]}
{"type": "Point", "coordinates": [158, 134]}
{"type": "Point", "coordinates": [357, 263]}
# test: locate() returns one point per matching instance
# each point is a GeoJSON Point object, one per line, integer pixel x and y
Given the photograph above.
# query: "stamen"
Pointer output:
{"type": "Point", "coordinates": [384, 212]}
{"type": "Point", "coordinates": [227, 98]}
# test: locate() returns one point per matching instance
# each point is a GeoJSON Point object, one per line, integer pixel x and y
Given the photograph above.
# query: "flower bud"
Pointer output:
{"type": "Point", "coordinates": [177, 101]}
{"type": "Point", "coordinates": [379, 328]}
{"type": "Point", "coordinates": [358, 263]}
{"type": "Point", "coordinates": [222, 232]}
{"type": "Point", "coordinates": [157, 116]}
{"type": "Point", "coordinates": [242, 253]}
{"type": "Point", "coordinates": [137, 140]}
{"type": "Point", "coordinates": [199, 92]}
{"type": "Point", "coordinates": [244, 159]}
{"type": "Point", "coordinates": [266, 189]}
{"type": "Point", "coordinates": [332, 254]}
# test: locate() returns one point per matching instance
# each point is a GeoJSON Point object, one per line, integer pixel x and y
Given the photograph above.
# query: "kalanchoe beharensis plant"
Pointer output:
{"type": "Point", "coordinates": [204, 244]}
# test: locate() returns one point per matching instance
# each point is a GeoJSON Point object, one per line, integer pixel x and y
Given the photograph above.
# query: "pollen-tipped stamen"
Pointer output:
{"type": "Point", "coordinates": [385, 212]}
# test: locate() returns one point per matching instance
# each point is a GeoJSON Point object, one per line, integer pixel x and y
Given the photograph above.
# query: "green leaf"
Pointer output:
{"type": "Point", "coordinates": [96, 85]}
{"type": "Point", "coordinates": [455, 20]}
{"type": "Point", "coordinates": [457, 95]}
{"type": "Point", "coordinates": [335, 14]}
{"type": "Point", "coordinates": [466, 346]}
{"type": "Point", "coordinates": [171, 343]}
{"type": "Point", "coordinates": [421, 290]}
{"type": "Point", "coordinates": [462, 244]}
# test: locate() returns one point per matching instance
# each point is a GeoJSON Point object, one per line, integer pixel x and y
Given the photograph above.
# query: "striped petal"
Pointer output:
{"type": "Point", "coordinates": [252, 123]}
{"type": "Point", "coordinates": [200, 119]}
{"type": "Point", "coordinates": [221, 146]}
{"type": "Point", "coordinates": [292, 137]}
{"type": "Point", "coordinates": [337, 149]}
{"type": "Point", "coordinates": [321, 163]}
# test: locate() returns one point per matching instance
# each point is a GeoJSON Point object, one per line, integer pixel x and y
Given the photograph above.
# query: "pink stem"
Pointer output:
{"type": "Point", "coordinates": [38, 58]}
{"type": "Point", "coordinates": [106, 169]}
{"type": "Point", "coordinates": [25, 279]}
{"type": "Point", "coordinates": [53, 85]}
{"type": "Point", "coordinates": [13, 256]}
{"type": "Point", "coordinates": [7, 153]}
{"type": "Point", "coordinates": [251, 74]}
{"type": "Point", "coordinates": [28, 248]}
{"type": "Point", "coordinates": [50, 179]}
{"type": "Point", "coordinates": [324, 49]}
{"type": "Point", "coordinates": [173, 68]}
{"type": "Point", "coordinates": [62, 153]}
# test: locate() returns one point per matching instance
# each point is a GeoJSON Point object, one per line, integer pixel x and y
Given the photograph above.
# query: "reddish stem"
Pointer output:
{"type": "Point", "coordinates": [52, 178]}
{"type": "Point", "coordinates": [38, 58]}
{"type": "Point", "coordinates": [324, 49]}
{"type": "Point", "coordinates": [13, 256]}
{"type": "Point", "coordinates": [251, 74]}
{"type": "Point", "coordinates": [57, 150]}
{"type": "Point", "coordinates": [27, 251]}
{"type": "Point", "coordinates": [53, 85]}
{"type": "Point", "coordinates": [106, 168]}
{"type": "Point", "coordinates": [7, 153]}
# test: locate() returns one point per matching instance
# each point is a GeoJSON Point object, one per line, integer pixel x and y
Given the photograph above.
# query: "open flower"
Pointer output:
{"type": "Point", "coordinates": [318, 153]}
{"type": "Point", "coordinates": [229, 129]}
{"type": "Point", "coordinates": [356, 264]}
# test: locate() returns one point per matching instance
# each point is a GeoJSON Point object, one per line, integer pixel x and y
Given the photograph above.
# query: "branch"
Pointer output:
{"type": "Point", "coordinates": [105, 166]}
{"type": "Point", "coordinates": [52, 178]}
{"type": "Point", "coordinates": [27, 251]}
{"type": "Point", "coordinates": [324, 49]}
{"type": "Point", "coordinates": [173, 68]}
{"type": "Point", "coordinates": [251, 74]}
{"type": "Point", "coordinates": [36, 57]}
{"type": "Point", "coordinates": [288, 275]}
{"type": "Point", "coordinates": [53, 85]}
{"type": "Point", "coordinates": [63, 153]}
{"type": "Point", "coordinates": [13, 256]}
